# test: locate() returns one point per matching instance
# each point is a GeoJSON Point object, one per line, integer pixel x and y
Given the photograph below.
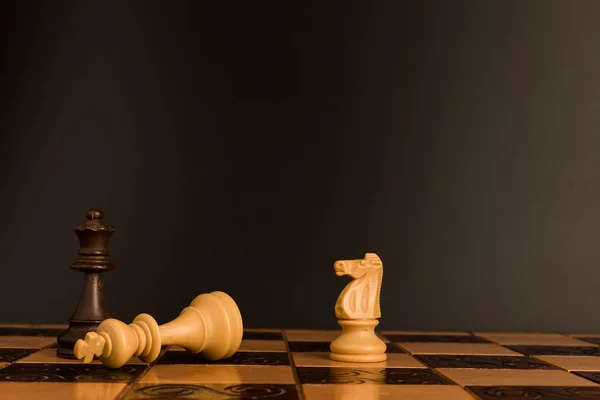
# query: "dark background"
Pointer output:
{"type": "Point", "coordinates": [246, 146]}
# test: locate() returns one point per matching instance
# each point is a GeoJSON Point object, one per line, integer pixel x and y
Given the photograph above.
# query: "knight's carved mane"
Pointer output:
{"type": "Point", "coordinates": [377, 261]}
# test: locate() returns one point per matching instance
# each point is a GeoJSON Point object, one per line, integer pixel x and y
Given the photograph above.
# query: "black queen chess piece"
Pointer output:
{"type": "Point", "coordinates": [92, 261]}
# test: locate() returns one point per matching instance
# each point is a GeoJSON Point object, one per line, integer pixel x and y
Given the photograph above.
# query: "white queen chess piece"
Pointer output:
{"type": "Point", "coordinates": [358, 309]}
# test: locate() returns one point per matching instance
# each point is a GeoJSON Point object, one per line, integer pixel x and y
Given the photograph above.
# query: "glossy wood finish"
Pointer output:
{"type": "Point", "coordinates": [270, 366]}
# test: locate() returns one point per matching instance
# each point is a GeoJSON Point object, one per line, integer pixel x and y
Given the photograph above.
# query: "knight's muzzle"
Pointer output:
{"type": "Point", "coordinates": [340, 268]}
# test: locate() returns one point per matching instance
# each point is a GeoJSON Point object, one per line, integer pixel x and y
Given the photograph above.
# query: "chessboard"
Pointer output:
{"type": "Point", "coordinates": [294, 364]}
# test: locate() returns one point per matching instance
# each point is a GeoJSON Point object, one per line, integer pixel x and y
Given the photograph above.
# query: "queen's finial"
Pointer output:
{"type": "Point", "coordinates": [94, 214]}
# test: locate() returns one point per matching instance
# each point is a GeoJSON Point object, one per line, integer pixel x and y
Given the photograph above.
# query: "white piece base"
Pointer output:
{"type": "Point", "coordinates": [358, 342]}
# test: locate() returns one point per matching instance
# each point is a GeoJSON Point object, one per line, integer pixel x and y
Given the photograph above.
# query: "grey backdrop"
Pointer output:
{"type": "Point", "coordinates": [245, 147]}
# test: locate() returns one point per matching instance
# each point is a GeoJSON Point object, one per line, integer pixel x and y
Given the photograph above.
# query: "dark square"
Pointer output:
{"type": "Point", "coordinates": [435, 338]}
{"type": "Point", "coordinates": [593, 376]}
{"type": "Point", "coordinates": [9, 331]}
{"type": "Point", "coordinates": [536, 392]}
{"type": "Point", "coordinates": [69, 373]}
{"type": "Point", "coordinates": [483, 362]}
{"type": "Point", "coordinates": [266, 335]}
{"type": "Point", "coordinates": [10, 355]}
{"type": "Point", "coordinates": [557, 350]}
{"type": "Point", "coordinates": [385, 376]}
{"type": "Point", "coordinates": [323, 347]}
{"type": "Point", "coordinates": [309, 347]}
{"type": "Point", "coordinates": [214, 391]}
{"type": "Point", "coordinates": [239, 358]}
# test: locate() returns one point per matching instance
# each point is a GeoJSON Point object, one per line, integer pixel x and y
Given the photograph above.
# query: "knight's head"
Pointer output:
{"type": "Point", "coordinates": [358, 268]}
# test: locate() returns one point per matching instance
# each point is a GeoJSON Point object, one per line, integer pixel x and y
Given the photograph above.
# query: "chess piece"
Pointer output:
{"type": "Point", "coordinates": [357, 309]}
{"type": "Point", "coordinates": [92, 261]}
{"type": "Point", "coordinates": [211, 326]}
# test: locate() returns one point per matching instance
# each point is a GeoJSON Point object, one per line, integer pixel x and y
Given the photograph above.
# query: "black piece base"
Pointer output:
{"type": "Point", "coordinates": [77, 330]}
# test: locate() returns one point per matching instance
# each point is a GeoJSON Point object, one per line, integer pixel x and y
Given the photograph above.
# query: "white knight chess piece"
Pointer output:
{"type": "Point", "coordinates": [357, 309]}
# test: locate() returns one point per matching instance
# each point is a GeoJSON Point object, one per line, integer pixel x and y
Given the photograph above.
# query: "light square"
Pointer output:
{"type": "Point", "coordinates": [262, 345]}
{"type": "Point", "coordinates": [426, 333]}
{"type": "Point", "coordinates": [59, 390]}
{"type": "Point", "coordinates": [483, 349]}
{"type": "Point", "coordinates": [585, 335]}
{"type": "Point", "coordinates": [573, 363]}
{"type": "Point", "coordinates": [503, 377]}
{"type": "Point", "coordinates": [312, 335]}
{"type": "Point", "coordinates": [533, 339]}
{"type": "Point", "coordinates": [372, 392]}
{"type": "Point", "coordinates": [26, 342]}
{"type": "Point", "coordinates": [321, 359]}
{"type": "Point", "coordinates": [48, 356]}
{"type": "Point", "coordinates": [225, 374]}
{"type": "Point", "coordinates": [252, 345]}
{"type": "Point", "coordinates": [34, 326]}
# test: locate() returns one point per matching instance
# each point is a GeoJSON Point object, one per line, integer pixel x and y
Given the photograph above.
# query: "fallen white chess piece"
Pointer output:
{"type": "Point", "coordinates": [211, 325]}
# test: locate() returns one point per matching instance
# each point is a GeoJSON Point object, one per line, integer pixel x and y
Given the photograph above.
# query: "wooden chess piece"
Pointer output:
{"type": "Point", "coordinates": [357, 309]}
{"type": "Point", "coordinates": [211, 325]}
{"type": "Point", "coordinates": [92, 261]}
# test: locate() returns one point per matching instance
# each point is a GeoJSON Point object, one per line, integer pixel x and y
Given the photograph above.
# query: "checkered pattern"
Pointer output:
{"type": "Point", "coordinates": [295, 364]}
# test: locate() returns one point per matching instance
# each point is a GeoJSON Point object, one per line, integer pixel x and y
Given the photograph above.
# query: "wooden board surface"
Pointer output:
{"type": "Point", "coordinates": [294, 364]}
